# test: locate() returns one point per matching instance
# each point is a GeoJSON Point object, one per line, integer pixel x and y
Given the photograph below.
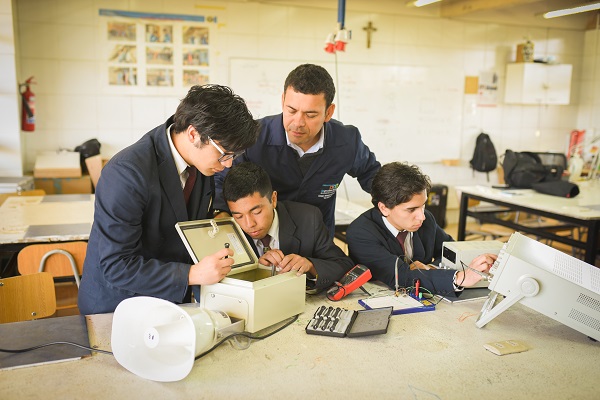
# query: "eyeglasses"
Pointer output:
{"type": "Point", "coordinates": [225, 156]}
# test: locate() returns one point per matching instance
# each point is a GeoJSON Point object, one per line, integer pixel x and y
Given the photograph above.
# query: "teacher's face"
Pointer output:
{"type": "Point", "coordinates": [304, 116]}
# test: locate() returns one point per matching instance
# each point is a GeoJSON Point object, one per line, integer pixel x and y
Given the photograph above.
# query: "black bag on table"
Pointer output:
{"type": "Point", "coordinates": [523, 169]}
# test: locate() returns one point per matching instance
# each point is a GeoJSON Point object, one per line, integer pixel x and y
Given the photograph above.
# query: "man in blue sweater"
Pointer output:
{"type": "Point", "coordinates": [305, 152]}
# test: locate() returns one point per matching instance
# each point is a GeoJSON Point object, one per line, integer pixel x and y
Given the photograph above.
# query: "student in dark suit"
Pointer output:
{"type": "Point", "coordinates": [306, 152]}
{"type": "Point", "coordinates": [289, 235]}
{"type": "Point", "coordinates": [399, 234]}
{"type": "Point", "coordinates": [134, 249]}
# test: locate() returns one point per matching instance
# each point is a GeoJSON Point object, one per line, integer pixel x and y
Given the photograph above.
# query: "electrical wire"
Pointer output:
{"type": "Point", "coordinates": [52, 344]}
{"type": "Point", "coordinates": [233, 335]}
{"type": "Point", "coordinates": [249, 336]}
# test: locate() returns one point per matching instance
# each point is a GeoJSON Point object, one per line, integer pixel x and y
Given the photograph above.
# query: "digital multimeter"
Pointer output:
{"type": "Point", "coordinates": [353, 279]}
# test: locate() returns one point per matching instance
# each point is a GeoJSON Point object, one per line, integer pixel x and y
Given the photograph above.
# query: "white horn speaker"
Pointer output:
{"type": "Point", "coordinates": [158, 340]}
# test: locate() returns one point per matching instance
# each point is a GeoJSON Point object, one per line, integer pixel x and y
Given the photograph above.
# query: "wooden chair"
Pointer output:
{"type": "Point", "coordinates": [62, 260]}
{"type": "Point", "coordinates": [7, 260]}
{"type": "Point", "coordinates": [27, 297]}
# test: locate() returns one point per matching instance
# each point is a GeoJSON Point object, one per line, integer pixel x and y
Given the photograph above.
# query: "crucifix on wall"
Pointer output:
{"type": "Point", "coordinates": [369, 29]}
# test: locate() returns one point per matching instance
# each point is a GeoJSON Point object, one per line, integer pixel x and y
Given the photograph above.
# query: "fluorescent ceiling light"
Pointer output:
{"type": "Point", "coordinates": [421, 3]}
{"type": "Point", "coordinates": [574, 10]}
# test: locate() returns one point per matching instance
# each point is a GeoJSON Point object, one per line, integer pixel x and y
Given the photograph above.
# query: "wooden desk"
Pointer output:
{"type": "Point", "coordinates": [430, 355]}
{"type": "Point", "coordinates": [39, 219]}
{"type": "Point", "coordinates": [582, 210]}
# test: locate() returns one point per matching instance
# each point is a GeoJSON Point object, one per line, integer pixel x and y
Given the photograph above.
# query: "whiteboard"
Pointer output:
{"type": "Point", "coordinates": [404, 113]}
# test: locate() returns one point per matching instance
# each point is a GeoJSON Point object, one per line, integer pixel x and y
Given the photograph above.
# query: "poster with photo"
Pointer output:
{"type": "Point", "coordinates": [157, 33]}
{"type": "Point", "coordinates": [122, 76]}
{"type": "Point", "coordinates": [121, 31]}
{"type": "Point", "coordinates": [159, 55]}
{"type": "Point", "coordinates": [159, 77]}
{"type": "Point", "coordinates": [155, 50]}
{"type": "Point", "coordinates": [194, 77]}
{"type": "Point", "coordinates": [124, 54]}
{"type": "Point", "coordinates": [195, 35]}
{"type": "Point", "coordinates": [195, 56]}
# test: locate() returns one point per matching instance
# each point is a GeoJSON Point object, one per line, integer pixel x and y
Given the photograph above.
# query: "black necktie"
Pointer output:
{"type": "Point", "coordinates": [189, 183]}
{"type": "Point", "coordinates": [266, 241]}
{"type": "Point", "coordinates": [401, 236]}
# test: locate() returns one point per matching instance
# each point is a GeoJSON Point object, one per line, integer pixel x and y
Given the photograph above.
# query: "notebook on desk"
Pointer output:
{"type": "Point", "coordinates": [468, 294]}
{"type": "Point", "coordinates": [21, 335]}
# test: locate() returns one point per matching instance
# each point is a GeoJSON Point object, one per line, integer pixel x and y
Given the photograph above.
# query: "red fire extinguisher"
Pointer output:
{"type": "Point", "coordinates": [28, 106]}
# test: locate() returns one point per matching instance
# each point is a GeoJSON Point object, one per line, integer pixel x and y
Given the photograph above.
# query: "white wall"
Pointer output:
{"type": "Point", "coordinates": [10, 142]}
{"type": "Point", "coordinates": [61, 43]}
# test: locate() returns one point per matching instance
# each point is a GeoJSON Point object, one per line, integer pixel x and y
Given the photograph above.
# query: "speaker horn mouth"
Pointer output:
{"type": "Point", "coordinates": [158, 340]}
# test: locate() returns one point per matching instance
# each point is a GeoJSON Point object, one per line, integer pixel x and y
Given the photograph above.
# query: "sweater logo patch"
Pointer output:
{"type": "Point", "coordinates": [328, 190]}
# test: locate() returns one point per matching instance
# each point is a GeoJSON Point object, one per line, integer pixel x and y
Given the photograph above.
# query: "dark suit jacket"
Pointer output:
{"type": "Point", "coordinates": [344, 152]}
{"type": "Point", "coordinates": [133, 248]}
{"type": "Point", "coordinates": [372, 244]}
{"type": "Point", "coordinates": [303, 232]}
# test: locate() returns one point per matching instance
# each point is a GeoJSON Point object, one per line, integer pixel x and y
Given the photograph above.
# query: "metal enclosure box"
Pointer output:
{"type": "Point", "coordinates": [249, 292]}
{"type": "Point", "coordinates": [455, 252]}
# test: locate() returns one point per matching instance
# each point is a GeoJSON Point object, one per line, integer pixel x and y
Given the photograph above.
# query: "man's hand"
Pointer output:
{"type": "Point", "coordinates": [211, 269]}
{"type": "Point", "coordinates": [285, 263]}
{"type": "Point", "coordinates": [481, 263]}
{"type": "Point", "coordinates": [420, 265]}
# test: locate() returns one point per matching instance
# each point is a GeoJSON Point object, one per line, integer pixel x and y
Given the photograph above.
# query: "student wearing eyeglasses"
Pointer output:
{"type": "Point", "coordinates": [144, 190]}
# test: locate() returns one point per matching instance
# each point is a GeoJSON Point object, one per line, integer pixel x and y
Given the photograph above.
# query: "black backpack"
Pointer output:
{"type": "Point", "coordinates": [484, 157]}
{"type": "Point", "coordinates": [524, 169]}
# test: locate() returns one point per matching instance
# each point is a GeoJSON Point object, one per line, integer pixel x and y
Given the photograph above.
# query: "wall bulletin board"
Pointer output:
{"type": "Point", "coordinates": [156, 50]}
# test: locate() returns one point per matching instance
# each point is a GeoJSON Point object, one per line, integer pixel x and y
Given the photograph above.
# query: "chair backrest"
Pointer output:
{"type": "Point", "coordinates": [58, 264]}
{"type": "Point", "coordinates": [27, 297]}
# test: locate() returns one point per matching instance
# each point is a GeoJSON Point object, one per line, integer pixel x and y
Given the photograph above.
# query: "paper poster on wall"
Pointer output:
{"type": "Point", "coordinates": [195, 35]}
{"type": "Point", "coordinates": [487, 95]}
{"type": "Point", "coordinates": [159, 77]}
{"type": "Point", "coordinates": [193, 77]}
{"type": "Point", "coordinates": [156, 50]}
{"type": "Point", "coordinates": [121, 31]}
{"type": "Point", "coordinates": [120, 76]}
{"type": "Point", "coordinates": [123, 54]}
{"type": "Point", "coordinates": [156, 33]}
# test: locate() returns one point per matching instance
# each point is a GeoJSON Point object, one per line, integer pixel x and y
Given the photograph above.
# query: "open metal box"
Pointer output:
{"type": "Point", "coordinates": [249, 292]}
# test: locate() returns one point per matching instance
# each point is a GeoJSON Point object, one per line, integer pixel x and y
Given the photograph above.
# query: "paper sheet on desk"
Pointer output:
{"type": "Point", "coordinates": [397, 302]}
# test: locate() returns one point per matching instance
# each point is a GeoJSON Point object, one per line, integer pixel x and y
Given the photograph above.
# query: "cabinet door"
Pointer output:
{"type": "Point", "coordinates": [533, 83]}
{"type": "Point", "coordinates": [559, 84]}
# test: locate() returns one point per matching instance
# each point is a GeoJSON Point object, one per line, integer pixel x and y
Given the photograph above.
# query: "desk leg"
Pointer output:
{"type": "Point", "coordinates": [462, 217]}
{"type": "Point", "coordinates": [591, 247]}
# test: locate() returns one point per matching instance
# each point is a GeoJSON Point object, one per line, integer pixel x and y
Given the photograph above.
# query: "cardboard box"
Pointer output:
{"type": "Point", "coordinates": [81, 185]}
{"type": "Point", "coordinates": [64, 164]}
{"type": "Point", "coordinates": [16, 184]}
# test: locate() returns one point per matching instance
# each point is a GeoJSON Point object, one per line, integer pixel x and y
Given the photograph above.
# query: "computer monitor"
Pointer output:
{"type": "Point", "coordinates": [546, 280]}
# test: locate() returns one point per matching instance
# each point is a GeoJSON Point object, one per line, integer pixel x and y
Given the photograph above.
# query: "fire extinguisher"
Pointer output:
{"type": "Point", "coordinates": [28, 106]}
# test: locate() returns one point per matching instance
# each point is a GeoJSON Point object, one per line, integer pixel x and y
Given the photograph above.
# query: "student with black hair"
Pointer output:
{"type": "Point", "coordinates": [400, 241]}
{"type": "Point", "coordinates": [288, 235]}
{"type": "Point", "coordinates": [145, 189]}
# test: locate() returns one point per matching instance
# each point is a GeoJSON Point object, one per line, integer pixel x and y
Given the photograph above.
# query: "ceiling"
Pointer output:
{"type": "Point", "coordinates": [510, 12]}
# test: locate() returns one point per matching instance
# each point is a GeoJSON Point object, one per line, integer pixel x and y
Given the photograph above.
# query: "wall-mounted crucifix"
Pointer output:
{"type": "Point", "coordinates": [369, 29]}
